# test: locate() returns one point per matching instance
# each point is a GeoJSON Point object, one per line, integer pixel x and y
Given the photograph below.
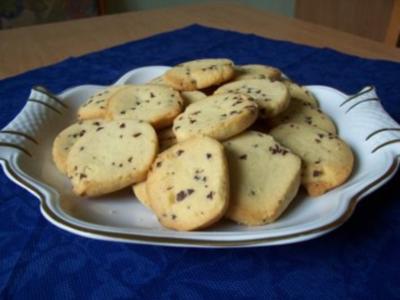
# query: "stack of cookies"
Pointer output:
{"type": "Point", "coordinates": [204, 141]}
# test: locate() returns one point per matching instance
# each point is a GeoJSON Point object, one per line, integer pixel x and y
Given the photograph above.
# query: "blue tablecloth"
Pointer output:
{"type": "Point", "coordinates": [360, 260]}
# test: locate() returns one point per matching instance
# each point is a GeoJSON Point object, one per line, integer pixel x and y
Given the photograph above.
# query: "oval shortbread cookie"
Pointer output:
{"type": "Point", "coordinates": [67, 138]}
{"type": "Point", "coordinates": [155, 104]}
{"type": "Point", "coordinates": [327, 160]}
{"type": "Point", "coordinates": [246, 72]}
{"type": "Point", "coordinates": [301, 93]}
{"type": "Point", "coordinates": [140, 192]}
{"type": "Point", "coordinates": [304, 113]}
{"type": "Point", "coordinates": [115, 155]}
{"type": "Point", "coordinates": [264, 178]}
{"type": "Point", "coordinates": [219, 116]}
{"type": "Point", "coordinates": [188, 184]}
{"type": "Point", "coordinates": [199, 74]}
{"type": "Point", "coordinates": [96, 106]}
{"type": "Point", "coordinates": [271, 97]}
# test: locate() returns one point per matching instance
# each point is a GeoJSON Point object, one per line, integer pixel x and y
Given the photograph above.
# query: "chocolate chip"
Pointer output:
{"type": "Point", "coordinates": [173, 216]}
{"type": "Point", "coordinates": [278, 150]}
{"type": "Point", "coordinates": [317, 173]}
{"type": "Point", "coordinates": [122, 125]}
{"type": "Point", "coordinates": [81, 148]}
{"type": "Point", "coordinates": [130, 159]}
{"type": "Point", "coordinates": [179, 152]}
{"type": "Point", "coordinates": [209, 155]}
{"type": "Point", "coordinates": [152, 95]}
{"type": "Point", "coordinates": [177, 127]}
{"type": "Point", "coordinates": [317, 141]}
{"type": "Point", "coordinates": [210, 195]}
{"type": "Point", "coordinates": [99, 128]}
{"type": "Point", "coordinates": [180, 196]}
{"type": "Point", "coordinates": [82, 175]}
{"type": "Point", "coordinates": [244, 156]}
{"type": "Point", "coordinates": [158, 164]}
{"type": "Point", "coordinates": [122, 112]}
{"type": "Point", "coordinates": [192, 121]}
{"type": "Point", "coordinates": [183, 194]}
{"type": "Point", "coordinates": [135, 135]}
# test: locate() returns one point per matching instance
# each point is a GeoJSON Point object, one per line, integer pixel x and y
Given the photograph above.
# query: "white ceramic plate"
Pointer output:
{"type": "Point", "coordinates": [25, 155]}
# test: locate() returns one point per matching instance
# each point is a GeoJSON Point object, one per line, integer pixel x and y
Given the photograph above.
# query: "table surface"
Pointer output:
{"type": "Point", "coordinates": [22, 49]}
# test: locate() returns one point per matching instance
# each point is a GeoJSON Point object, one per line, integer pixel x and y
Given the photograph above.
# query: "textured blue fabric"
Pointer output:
{"type": "Point", "coordinates": [360, 260]}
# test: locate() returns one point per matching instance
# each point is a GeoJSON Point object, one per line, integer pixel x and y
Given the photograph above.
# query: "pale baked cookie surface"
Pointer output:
{"type": "Point", "coordinates": [304, 113]}
{"type": "Point", "coordinates": [97, 104]}
{"type": "Point", "coordinates": [245, 72]}
{"type": "Point", "coordinates": [67, 138]}
{"type": "Point", "coordinates": [140, 191]}
{"type": "Point", "coordinates": [188, 184]}
{"type": "Point", "coordinates": [190, 97]}
{"type": "Point", "coordinates": [264, 178]}
{"type": "Point", "coordinates": [327, 160]}
{"type": "Point", "coordinates": [272, 98]}
{"type": "Point", "coordinates": [301, 93]}
{"type": "Point", "coordinates": [219, 116]}
{"type": "Point", "coordinates": [155, 104]}
{"type": "Point", "coordinates": [115, 155]}
{"type": "Point", "coordinates": [158, 81]}
{"type": "Point", "coordinates": [199, 74]}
